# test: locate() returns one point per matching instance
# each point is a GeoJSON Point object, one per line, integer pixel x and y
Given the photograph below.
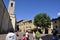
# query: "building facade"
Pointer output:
{"type": "Point", "coordinates": [25, 25]}
{"type": "Point", "coordinates": [56, 24]}
{"type": "Point", "coordinates": [5, 22]}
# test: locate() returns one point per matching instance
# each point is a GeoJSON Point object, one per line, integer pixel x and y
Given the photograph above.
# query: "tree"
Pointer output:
{"type": "Point", "coordinates": [42, 20]}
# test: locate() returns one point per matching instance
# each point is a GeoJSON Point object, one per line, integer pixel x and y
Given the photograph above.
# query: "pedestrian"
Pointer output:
{"type": "Point", "coordinates": [37, 35]}
{"type": "Point", "coordinates": [17, 36]}
{"type": "Point", "coordinates": [40, 38]}
{"type": "Point", "coordinates": [27, 35]}
{"type": "Point", "coordinates": [54, 31]}
{"type": "Point", "coordinates": [54, 37]}
{"type": "Point", "coordinates": [59, 37]}
{"type": "Point", "coordinates": [11, 35]}
{"type": "Point", "coordinates": [17, 33]}
{"type": "Point", "coordinates": [24, 37]}
{"type": "Point", "coordinates": [33, 35]}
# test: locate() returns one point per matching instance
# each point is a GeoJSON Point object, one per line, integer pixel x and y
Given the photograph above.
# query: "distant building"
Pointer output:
{"type": "Point", "coordinates": [25, 25]}
{"type": "Point", "coordinates": [56, 24]}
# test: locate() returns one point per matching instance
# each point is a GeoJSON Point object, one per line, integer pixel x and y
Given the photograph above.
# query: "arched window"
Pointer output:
{"type": "Point", "coordinates": [11, 4]}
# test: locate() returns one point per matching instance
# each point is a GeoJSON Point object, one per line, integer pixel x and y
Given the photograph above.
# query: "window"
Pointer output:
{"type": "Point", "coordinates": [55, 26]}
{"type": "Point", "coordinates": [11, 4]}
{"type": "Point", "coordinates": [55, 21]}
{"type": "Point", "coordinates": [59, 20]}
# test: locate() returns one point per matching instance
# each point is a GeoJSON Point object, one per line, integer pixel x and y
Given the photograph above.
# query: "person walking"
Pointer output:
{"type": "Point", "coordinates": [40, 38]}
{"type": "Point", "coordinates": [27, 36]}
{"type": "Point", "coordinates": [54, 37]}
{"type": "Point", "coordinates": [33, 35]}
{"type": "Point", "coordinates": [17, 35]}
{"type": "Point", "coordinates": [24, 37]}
{"type": "Point", "coordinates": [54, 31]}
{"type": "Point", "coordinates": [37, 35]}
{"type": "Point", "coordinates": [11, 35]}
{"type": "Point", "coordinates": [59, 37]}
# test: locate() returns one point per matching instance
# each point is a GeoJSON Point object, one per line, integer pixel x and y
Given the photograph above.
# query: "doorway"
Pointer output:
{"type": "Point", "coordinates": [17, 28]}
{"type": "Point", "coordinates": [46, 30]}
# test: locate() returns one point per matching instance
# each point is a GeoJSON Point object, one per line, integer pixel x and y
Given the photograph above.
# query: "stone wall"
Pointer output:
{"type": "Point", "coordinates": [5, 22]}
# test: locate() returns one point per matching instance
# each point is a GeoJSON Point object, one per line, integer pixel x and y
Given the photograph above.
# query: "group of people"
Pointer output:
{"type": "Point", "coordinates": [36, 35]}
{"type": "Point", "coordinates": [13, 36]}
{"type": "Point", "coordinates": [25, 36]}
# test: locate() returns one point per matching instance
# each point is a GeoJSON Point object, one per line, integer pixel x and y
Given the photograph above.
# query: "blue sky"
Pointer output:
{"type": "Point", "coordinates": [27, 9]}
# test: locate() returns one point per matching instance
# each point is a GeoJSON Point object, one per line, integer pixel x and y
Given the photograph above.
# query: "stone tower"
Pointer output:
{"type": "Point", "coordinates": [11, 12]}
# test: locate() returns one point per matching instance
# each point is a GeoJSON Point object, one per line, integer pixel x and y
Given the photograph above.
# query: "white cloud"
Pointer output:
{"type": "Point", "coordinates": [59, 14]}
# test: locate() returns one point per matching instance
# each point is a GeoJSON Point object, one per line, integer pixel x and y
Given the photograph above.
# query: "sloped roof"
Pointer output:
{"type": "Point", "coordinates": [56, 19]}
{"type": "Point", "coordinates": [24, 21]}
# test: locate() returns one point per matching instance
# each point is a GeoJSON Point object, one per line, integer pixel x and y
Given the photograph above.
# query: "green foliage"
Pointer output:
{"type": "Point", "coordinates": [42, 20]}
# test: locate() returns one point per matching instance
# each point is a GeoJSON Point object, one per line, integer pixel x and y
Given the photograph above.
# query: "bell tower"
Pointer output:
{"type": "Point", "coordinates": [11, 8]}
